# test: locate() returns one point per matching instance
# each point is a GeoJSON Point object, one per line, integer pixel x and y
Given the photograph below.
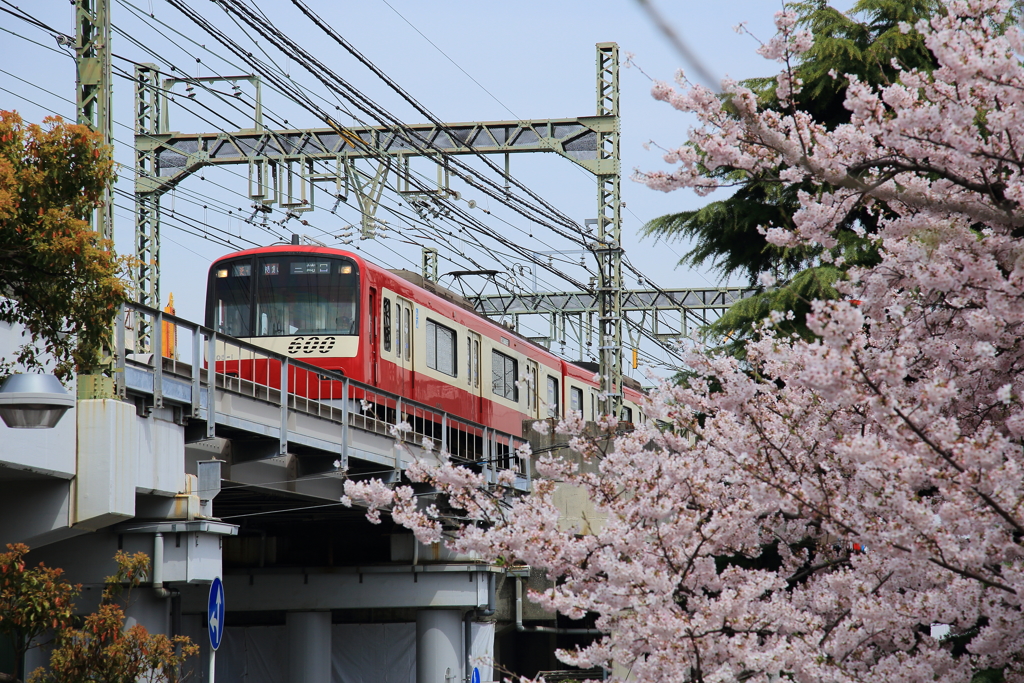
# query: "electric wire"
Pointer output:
{"type": "Point", "coordinates": [327, 29]}
{"type": "Point", "coordinates": [186, 78]}
{"type": "Point", "coordinates": [266, 30]}
{"type": "Point", "coordinates": [231, 123]}
{"type": "Point", "coordinates": [313, 65]}
{"type": "Point", "coordinates": [39, 24]}
{"type": "Point", "coordinates": [299, 97]}
{"type": "Point", "coordinates": [197, 59]}
{"type": "Point", "coordinates": [205, 224]}
{"type": "Point", "coordinates": [176, 218]}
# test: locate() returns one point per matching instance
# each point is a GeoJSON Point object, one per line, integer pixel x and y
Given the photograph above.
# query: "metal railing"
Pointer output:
{"type": "Point", "coordinates": [198, 361]}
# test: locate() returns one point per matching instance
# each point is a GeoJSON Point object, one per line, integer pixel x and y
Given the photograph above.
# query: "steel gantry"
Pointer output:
{"type": "Point", "coordinates": [283, 170]}
{"type": "Point", "coordinates": [575, 312]}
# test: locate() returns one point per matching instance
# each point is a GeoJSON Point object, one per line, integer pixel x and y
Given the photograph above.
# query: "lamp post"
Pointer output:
{"type": "Point", "coordinates": [33, 401]}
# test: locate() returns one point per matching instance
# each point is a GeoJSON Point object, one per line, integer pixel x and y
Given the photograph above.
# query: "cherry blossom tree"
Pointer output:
{"type": "Point", "coordinates": [809, 513]}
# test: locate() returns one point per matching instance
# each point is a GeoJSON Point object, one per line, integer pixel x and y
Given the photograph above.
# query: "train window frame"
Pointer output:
{"type": "Point", "coordinates": [627, 414]}
{"type": "Point", "coordinates": [386, 323]}
{"type": "Point", "coordinates": [215, 313]}
{"type": "Point", "coordinates": [532, 386]}
{"type": "Point", "coordinates": [502, 368]}
{"type": "Point", "coordinates": [553, 397]}
{"type": "Point", "coordinates": [398, 329]}
{"type": "Point", "coordinates": [407, 331]}
{"type": "Point", "coordinates": [576, 400]}
{"type": "Point", "coordinates": [327, 285]}
{"type": "Point", "coordinates": [476, 363]}
{"type": "Point", "coordinates": [434, 331]}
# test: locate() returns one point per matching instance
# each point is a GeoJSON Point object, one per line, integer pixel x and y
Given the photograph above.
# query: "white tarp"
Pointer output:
{"type": "Point", "coordinates": [373, 653]}
{"type": "Point", "coordinates": [481, 651]}
{"type": "Point", "coordinates": [360, 653]}
{"type": "Point", "coordinates": [253, 654]}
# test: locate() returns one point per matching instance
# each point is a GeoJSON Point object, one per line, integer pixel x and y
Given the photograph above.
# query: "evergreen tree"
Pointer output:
{"type": "Point", "coordinates": [865, 42]}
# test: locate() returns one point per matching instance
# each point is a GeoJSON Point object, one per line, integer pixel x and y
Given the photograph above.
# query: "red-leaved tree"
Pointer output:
{"type": "Point", "coordinates": [812, 511]}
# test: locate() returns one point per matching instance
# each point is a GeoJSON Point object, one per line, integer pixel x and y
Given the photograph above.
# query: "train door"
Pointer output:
{"type": "Point", "coordinates": [473, 373]}
{"type": "Point", "coordinates": [374, 339]}
{"type": "Point", "coordinates": [531, 388]}
{"type": "Point", "coordinates": [403, 347]}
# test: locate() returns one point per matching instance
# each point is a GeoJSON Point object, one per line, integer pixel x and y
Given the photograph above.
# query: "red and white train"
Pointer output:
{"type": "Point", "coordinates": [389, 329]}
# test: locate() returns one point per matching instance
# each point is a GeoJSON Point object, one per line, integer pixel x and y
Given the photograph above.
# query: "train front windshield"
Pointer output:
{"type": "Point", "coordinates": [285, 295]}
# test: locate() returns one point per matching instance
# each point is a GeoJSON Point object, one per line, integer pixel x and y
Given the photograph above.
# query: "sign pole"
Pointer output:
{"type": "Point", "coordinates": [215, 621]}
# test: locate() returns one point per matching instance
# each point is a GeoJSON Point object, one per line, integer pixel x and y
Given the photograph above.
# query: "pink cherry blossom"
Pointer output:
{"type": "Point", "coordinates": [809, 512]}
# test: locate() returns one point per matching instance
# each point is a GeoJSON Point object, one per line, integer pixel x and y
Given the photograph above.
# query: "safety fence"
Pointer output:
{"type": "Point", "coordinates": [187, 362]}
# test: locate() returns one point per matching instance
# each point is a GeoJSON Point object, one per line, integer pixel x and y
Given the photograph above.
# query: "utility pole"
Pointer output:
{"type": "Point", "coordinates": [148, 112]}
{"type": "Point", "coordinates": [94, 88]}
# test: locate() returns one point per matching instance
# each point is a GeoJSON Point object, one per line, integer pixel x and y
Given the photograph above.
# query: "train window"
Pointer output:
{"type": "Point", "coordinates": [593, 408]}
{"type": "Point", "coordinates": [441, 348]}
{"type": "Point", "coordinates": [531, 386]}
{"type": "Point", "coordinates": [469, 360]}
{"type": "Point", "coordinates": [407, 331]}
{"type": "Point", "coordinates": [386, 324]}
{"type": "Point", "coordinates": [552, 397]}
{"type": "Point", "coordinates": [230, 299]}
{"type": "Point", "coordinates": [297, 295]}
{"type": "Point", "coordinates": [627, 414]}
{"type": "Point", "coordinates": [398, 329]}
{"type": "Point", "coordinates": [476, 363]}
{"type": "Point", "coordinates": [576, 399]}
{"type": "Point", "coordinates": [504, 373]}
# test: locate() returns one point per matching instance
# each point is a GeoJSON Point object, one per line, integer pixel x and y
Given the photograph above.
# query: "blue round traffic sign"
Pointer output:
{"type": "Point", "coordinates": [215, 613]}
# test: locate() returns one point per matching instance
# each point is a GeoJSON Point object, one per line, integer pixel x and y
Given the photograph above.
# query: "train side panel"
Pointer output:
{"type": "Point", "coordinates": [419, 345]}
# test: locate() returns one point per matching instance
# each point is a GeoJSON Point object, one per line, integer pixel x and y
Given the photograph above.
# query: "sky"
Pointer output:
{"type": "Point", "coordinates": [464, 60]}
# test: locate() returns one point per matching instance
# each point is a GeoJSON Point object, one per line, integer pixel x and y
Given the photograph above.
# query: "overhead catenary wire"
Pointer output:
{"type": "Point", "coordinates": [480, 245]}
{"type": "Point", "coordinates": [191, 230]}
{"type": "Point", "coordinates": [325, 116]}
{"type": "Point", "coordinates": [138, 13]}
{"type": "Point", "coordinates": [184, 77]}
{"type": "Point", "coordinates": [333, 34]}
{"type": "Point", "coordinates": [326, 28]}
{"type": "Point", "coordinates": [439, 233]}
{"type": "Point", "coordinates": [333, 82]}
{"type": "Point", "coordinates": [196, 201]}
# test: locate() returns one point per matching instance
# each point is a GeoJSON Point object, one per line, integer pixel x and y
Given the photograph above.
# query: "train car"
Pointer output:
{"type": "Point", "coordinates": [392, 330]}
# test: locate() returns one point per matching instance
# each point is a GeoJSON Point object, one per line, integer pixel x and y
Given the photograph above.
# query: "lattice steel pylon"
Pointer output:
{"type": "Point", "coordinates": [608, 249]}
{"type": "Point", "coordinates": [147, 202]}
{"type": "Point", "coordinates": [94, 88]}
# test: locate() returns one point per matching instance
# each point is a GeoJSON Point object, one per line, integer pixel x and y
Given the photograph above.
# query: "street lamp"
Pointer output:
{"type": "Point", "coordinates": [33, 401]}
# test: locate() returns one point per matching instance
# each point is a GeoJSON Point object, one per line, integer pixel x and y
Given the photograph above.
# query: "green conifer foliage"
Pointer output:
{"type": "Point", "coordinates": [864, 43]}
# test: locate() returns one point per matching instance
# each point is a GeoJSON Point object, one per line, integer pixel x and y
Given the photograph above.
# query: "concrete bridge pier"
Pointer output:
{"type": "Point", "coordinates": [309, 645]}
{"type": "Point", "coordinates": [439, 652]}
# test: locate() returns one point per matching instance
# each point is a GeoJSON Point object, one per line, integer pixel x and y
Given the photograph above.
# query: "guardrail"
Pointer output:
{"type": "Point", "coordinates": [198, 361]}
